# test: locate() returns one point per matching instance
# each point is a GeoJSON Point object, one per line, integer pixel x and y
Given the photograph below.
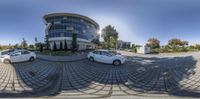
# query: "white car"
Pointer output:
{"type": "Point", "coordinates": [8, 51]}
{"type": "Point", "coordinates": [106, 56]}
{"type": "Point", "coordinates": [18, 56]}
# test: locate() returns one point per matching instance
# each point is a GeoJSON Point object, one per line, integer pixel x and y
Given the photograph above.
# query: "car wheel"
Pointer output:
{"type": "Point", "coordinates": [91, 59]}
{"type": "Point", "coordinates": [31, 59]}
{"type": "Point", "coordinates": [116, 62]}
{"type": "Point", "coordinates": [7, 61]}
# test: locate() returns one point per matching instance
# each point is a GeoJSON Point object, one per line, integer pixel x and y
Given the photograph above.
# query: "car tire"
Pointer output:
{"type": "Point", "coordinates": [116, 62]}
{"type": "Point", "coordinates": [31, 59]}
{"type": "Point", "coordinates": [7, 61]}
{"type": "Point", "coordinates": [91, 59]}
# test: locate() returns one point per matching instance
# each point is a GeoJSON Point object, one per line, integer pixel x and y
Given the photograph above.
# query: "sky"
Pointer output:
{"type": "Point", "coordinates": [135, 20]}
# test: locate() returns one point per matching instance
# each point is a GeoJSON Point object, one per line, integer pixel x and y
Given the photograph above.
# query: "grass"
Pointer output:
{"type": "Point", "coordinates": [57, 53]}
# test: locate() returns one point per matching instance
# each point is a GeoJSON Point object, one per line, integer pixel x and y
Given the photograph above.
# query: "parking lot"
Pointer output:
{"type": "Point", "coordinates": [141, 75]}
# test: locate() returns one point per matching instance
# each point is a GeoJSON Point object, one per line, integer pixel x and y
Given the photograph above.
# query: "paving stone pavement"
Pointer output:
{"type": "Point", "coordinates": [139, 76]}
{"type": "Point", "coordinates": [72, 58]}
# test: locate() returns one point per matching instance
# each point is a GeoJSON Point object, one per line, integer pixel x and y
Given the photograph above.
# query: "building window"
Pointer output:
{"type": "Point", "coordinates": [62, 34]}
{"type": "Point", "coordinates": [57, 22]}
{"type": "Point", "coordinates": [84, 31]}
{"type": "Point", "coordinates": [70, 28]}
{"type": "Point", "coordinates": [81, 20]}
{"type": "Point", "coordinates": [65, 18]}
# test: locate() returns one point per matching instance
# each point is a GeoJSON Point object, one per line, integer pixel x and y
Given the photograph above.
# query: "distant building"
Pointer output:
{"type": "Point", "coordinates": [123, 44]}
{"type": "Point", "coordinates": [61, 26]}
{"type": "Point", "coordinates": [143, 50]}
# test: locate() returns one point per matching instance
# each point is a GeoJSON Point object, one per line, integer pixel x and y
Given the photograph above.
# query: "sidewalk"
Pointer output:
{"type": "Point", "coordinates": [62, 58]}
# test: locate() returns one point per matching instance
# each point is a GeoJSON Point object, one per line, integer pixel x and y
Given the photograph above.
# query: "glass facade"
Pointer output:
{"type": "Point", "coordinates": [65, 25]}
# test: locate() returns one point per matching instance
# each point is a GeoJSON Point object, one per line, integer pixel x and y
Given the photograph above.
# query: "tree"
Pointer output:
{"type": "Point", "coordinates": [24, 43]}
{"type": "Point", "coordinates": [54, 46]}
{"type": "Point", "coordinates": [113, 42]}
{"type": "Point", "coordinates": [10, 46]}
{"type": "Point", "coordinates": [197, 46]}
{"type": "Point", "coordinates": [1, 47]}
{"type": "Point", "coordinates": [65, 46]}
{"type": "Point", "coordinates": [103, 45]}
{"type": "Point", "coordinates": [153, 43]}
{"type": "Point", "coordinates": [61, 45]}
{"type": "Point", "coordinates": [16, 46]}
{"type": "Point", "coordinates": [74, 42]}
{"type": "Point", "coordinates": [37, 45]}
{"type": "Point", "coordinates": [134, 48]}
{"type": "Point", "coordinates": [185, 43]}
{"type": "Point", "coordinates": [110, 36]}
{"type": "Point", "coordinates": [174, 42]}
{"type": "Point", "coordinates": [31, 46]}
{"type": "Point", "coordinates": [41, 47]}
{"type": "Point", "coordinates": [177, 44]}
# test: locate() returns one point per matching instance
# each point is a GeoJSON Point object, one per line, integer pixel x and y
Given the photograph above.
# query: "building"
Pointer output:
{"type": "Point", "coordinates": [143, 50]}
{"type": "Point", "coordinates": [61, 26]}
{"type": "Point", "coordinates": [123, 44]}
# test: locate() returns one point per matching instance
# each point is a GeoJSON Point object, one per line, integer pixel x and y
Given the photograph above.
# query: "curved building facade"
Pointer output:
{"type": "Point", "coordinates": [61, 26]}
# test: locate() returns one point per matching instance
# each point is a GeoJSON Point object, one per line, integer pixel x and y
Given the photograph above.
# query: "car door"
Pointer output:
{"type": "Point", "coordinates": [25, 55]}
{"type": "Point", "coordinates": [106, 57]}
{"type": "Point", "coordinates": [16, 57]}
{"type": "Point", "coordinates": [97, 56]}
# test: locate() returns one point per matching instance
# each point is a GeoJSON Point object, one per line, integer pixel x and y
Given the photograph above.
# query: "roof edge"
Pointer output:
{"type": "Point", "coordinates": [71, 14]}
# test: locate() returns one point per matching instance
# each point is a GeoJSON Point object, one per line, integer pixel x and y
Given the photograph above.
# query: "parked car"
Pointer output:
{"type": "Point", "coordinates": [8, 51]}
{"type": "Point", "coordinates": [18, 56]}
{"type": "Point", "coordinates": [106, 56]}
{"type": "Point", "coordinates": [4, 52]}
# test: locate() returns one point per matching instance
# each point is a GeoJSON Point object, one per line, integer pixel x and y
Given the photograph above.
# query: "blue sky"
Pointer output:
{"type": "Point", "coordinates": [135, 20]}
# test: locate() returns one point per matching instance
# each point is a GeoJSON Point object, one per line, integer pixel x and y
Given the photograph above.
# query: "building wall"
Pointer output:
{"type": "Point", "coordinates": [61, 26]}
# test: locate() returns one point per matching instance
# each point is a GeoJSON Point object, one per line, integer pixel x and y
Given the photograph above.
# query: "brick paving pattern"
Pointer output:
{"type": "Point", "coordinates": [139, 76]}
